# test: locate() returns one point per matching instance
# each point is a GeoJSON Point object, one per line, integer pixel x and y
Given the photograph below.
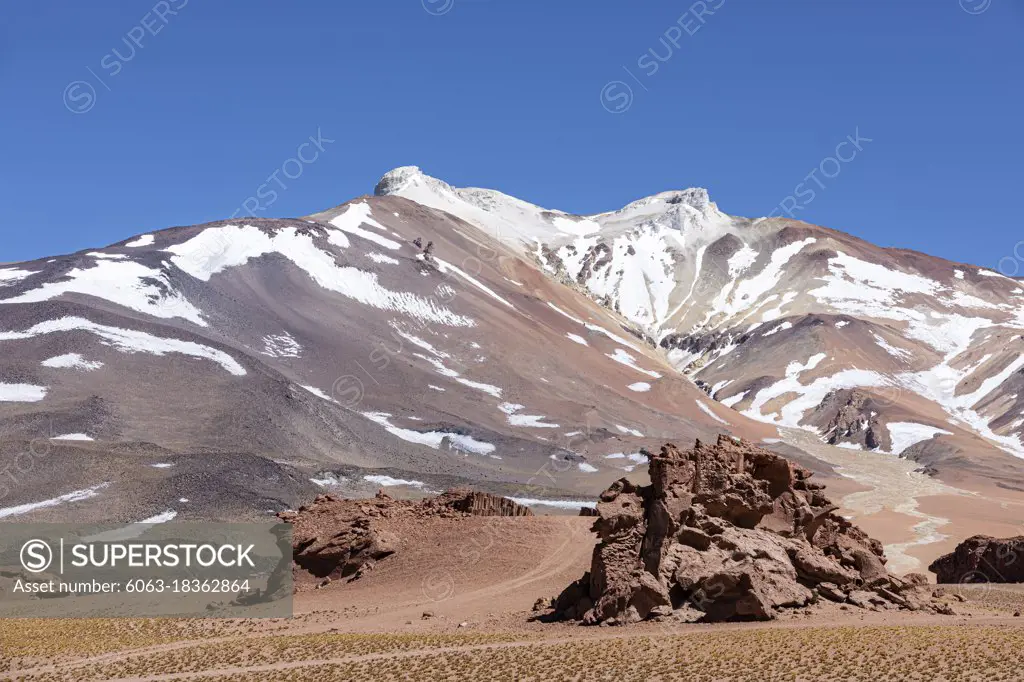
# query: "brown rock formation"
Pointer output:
{"type": "Point", "coordinates": [982, 559]}
{"type": "Point", "coordinates": [338, 539]}
{"type": "Point", "coordinates": [851, 416]}
{"type": "Point", "coordinates": [733, 531]}
{"type": "Point", "coordinates": [475, 503]}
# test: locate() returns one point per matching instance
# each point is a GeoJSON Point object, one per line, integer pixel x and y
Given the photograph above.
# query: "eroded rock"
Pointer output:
{"type": "Point", "coordinates": [734, 532]}
{"type": "Point", "coordinates": [982, 559]}
{"type": "Point", "coordinates": [337, 539]}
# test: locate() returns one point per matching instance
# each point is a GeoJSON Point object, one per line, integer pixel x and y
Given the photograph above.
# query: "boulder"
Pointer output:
{"type": "Point", "coordinates": [731, 531]}
{"type": "Point", "coordinates": [335, 539]}
{"type": "Point", "coordinates": [831, 592]}
{"type": "Point", "coordinates": [982, 559]}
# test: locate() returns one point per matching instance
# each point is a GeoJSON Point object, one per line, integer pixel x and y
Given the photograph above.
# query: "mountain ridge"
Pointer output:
{"type": "Point", "coordinates": [848, 274]}
{"type": "Point", "coordinates": [388, 339]}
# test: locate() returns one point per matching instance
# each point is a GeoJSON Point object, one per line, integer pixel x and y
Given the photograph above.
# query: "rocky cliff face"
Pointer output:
{"type": "Point", "coordinates": [733, 532]}
{"type": "Point", "coordinates": [851, 416]}
{"type": "Point", "coordinates": [982, 559]}
{"type": "Point", "coordinates": [338, 539]}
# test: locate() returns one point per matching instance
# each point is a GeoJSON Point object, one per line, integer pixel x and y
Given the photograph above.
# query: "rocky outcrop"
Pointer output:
{"type": "Point", "coordinates": [338, 539]}
{"type": "Point", "coordinates": [476, 503]}
{"type": "Point", "coordinates": [851, 416]}
{"type": "Point", "coordinates": [730, 532]}
{"type": "Point", "coordinates": [982, 559]}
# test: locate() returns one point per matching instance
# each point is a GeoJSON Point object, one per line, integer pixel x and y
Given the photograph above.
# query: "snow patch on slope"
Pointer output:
{"type": "Point", "coordinates": [72, 361]}
{"type": "Point", "coordinates": [432, 439]}
{"type": "Point", "coordinates": [707, 410]}
{"type": "Point", "coordinates": [215, 249]}
{"type": "Point", "coordinates": [446, 267]}
{"type": "Point", "coordinates": [141, 240]}
{"type": "Point", "coordinates": [733, 399]}
{"type": "Point", "coordinates": [810, 395]}
{"type": "Point", "coordinates": [577, 338]}
{"type": "Point", "coordinates": [741, 295]}
{"type": "Point", "coordinates": [382, 259]}
{"type": "Point", "coordinates": [21, 393]}
{"type": "Point", "coordinates": [527, 420]}
{"type": "Point", "coordinates": [389, 482]}
{"type": "Point", "coordinates": [891, 349]}
{"type": "Point", "coordinates": [906, 434]}
{"type": "Point", "coordinates": [75, 496]}
{"type": "Point", "coordinates": [9, 276]}
{"type": "Point", "coordinates": [281, 345]}
{"type": "Point", "coordinates": [741, 261]}
{"type": "Point", "coordinates": [594, 328]}
{"type": "Point", "coordinates": [318, 393]}
{"type": "Point", "coordinates": [124, 283]}
{"type": "Point", "coordinates": [451, 373]}
{"type": "Point", "coordinates": [359, 214]}
{"type": "Point", "coordinates": [162, 517]}
{"type": "Point", "coordinates": [129, 341]}
{"type": "Point", "coordinates": [939, 385]}
{"type": "Point", "coordinates": [779, 328]}
{"type": "Point", "coordinates": [622, 357]}
{"type": "Point", "coordinates": [74, 436]}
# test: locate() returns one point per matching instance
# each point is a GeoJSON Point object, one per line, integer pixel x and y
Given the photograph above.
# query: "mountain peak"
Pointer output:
{"type": "Point", "coordinates": [523, 225]}
{"type": "Point", "coordinates": [697, 197]}
{"type": "Point", "coordinates": [693, 200]}
{"type": "Point", "coordinates": [397, 179]}
{"type": "Point", "coordinates": [406, 180]}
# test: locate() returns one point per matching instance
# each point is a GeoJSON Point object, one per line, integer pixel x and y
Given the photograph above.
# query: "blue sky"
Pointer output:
{"type": "Point", "coordinates": [182, 125]}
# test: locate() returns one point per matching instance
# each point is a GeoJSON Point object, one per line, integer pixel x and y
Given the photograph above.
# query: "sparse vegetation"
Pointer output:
{"type": "Point", "coordinates": [869, 652]}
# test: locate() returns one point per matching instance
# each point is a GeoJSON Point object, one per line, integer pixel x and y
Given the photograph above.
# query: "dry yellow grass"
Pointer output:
{"type": "Point", "coordinates": [26, 640]}
{"type": "Point", "coordinates": [264, 650]}
{"type": "Point", "coordinates": [309, 648]}
{"type": "Point", "coordinates": [870, 654]}
{"type": "Point", "coordinates": [865, 653]}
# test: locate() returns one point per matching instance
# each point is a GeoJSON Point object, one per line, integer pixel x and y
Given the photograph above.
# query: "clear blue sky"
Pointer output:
{"type": "Point", "coordinates": [508, 94]}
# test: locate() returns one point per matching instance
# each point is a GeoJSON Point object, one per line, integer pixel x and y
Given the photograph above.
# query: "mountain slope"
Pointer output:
{"type": "Point", "coordinates": [330, 348]}
{"type": "Point", "coordinates": [790, 323]}
{"type": "Point", "coordinates": [431, 335]}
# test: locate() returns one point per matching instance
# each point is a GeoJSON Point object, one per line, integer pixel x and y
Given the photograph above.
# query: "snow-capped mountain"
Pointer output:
{"type": "Point", "coordinates": [431, 335]}
{"type": "Point", "coordinates": [785, 322]}
{"type": "Point", "coordinates": [378, 342]}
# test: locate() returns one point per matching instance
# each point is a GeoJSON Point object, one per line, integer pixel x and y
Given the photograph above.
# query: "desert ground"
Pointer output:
{"type": "Point", "coordinates": [457, 603]}
{"type": "Point", "coordinates": [916, 516]}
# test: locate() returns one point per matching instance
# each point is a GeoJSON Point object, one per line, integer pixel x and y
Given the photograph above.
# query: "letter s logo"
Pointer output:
{"type": "Point", "coordinates": [36, 556]}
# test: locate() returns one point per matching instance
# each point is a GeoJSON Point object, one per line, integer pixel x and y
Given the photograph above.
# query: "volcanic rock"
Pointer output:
{"type": "Point", "coordinates": [732, 531]}
{"type": "Point", "coordinates": [982, 559]}
{"type": "Point", "coordinates": [851, 416]}
{"type": "Point", "coordinates": [475, 503]}
{"type": "Point", "coordinates": [338, 539]}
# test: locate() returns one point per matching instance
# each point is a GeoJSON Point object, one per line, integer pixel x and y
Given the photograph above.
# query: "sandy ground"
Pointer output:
{"type": "Point", "coordinates": [1001, 515]}
{"type": "Point", "coordinates": [476, 571]}
{"type": "Point", "coordinates": [456, 603]}
{"type": "Point", "coordinates": [917, 517]}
